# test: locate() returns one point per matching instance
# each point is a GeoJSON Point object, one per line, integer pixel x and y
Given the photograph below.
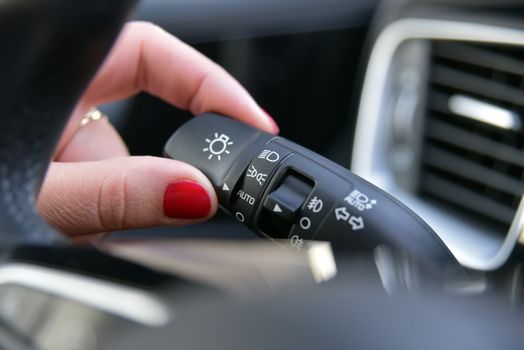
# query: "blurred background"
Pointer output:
{"type": "Point", "coordinates": [299, 59]}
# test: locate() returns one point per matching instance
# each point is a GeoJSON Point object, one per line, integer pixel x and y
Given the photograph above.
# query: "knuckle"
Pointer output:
{"type": "Point", "coordinates": [146, 27]}
{"type": "Point", "coordinates": [141, 32]}
{"type": "Point", "coordinates": [112, 198]}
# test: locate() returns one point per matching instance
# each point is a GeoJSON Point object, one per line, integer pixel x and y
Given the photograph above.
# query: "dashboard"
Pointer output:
{"type": "Point", "coordinates": [446, 122]}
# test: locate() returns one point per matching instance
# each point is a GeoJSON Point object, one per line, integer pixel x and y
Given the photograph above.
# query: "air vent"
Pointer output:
{"type": "Point", "coordinates": [473, 150]}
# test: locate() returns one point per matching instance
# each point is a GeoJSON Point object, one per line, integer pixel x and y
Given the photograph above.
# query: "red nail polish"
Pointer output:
{"type": "Point", "coordinates": [276, 129]}
{"type": "Point", "coordinates": [186, 200]}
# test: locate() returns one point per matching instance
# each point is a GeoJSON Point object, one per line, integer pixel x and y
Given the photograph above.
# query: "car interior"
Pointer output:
{"type": "Point", "coordinates": [424, 99]}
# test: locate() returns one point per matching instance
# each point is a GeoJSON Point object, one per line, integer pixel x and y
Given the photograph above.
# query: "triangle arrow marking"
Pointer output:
{"type": "Point", "coordinates": [225, 187]}
{"type": "Point", "coordinates": [277, 209]}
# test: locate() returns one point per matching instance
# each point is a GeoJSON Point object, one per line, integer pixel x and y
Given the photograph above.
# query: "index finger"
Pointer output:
{"type": "Point", "coordinates": [150, 59]}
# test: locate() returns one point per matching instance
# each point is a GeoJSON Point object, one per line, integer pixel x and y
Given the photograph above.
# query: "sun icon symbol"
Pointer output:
{"type": "Point", "coordinates": [217, 146]}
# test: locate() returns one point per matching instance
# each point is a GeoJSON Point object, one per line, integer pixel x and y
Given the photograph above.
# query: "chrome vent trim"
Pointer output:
{"type": "Point", "coordinates": [475, 248]}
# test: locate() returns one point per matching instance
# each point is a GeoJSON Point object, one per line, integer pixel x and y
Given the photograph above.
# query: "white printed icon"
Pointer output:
{"type": "Point", "coordinates": [246, 197]}
{"type": "Point", "coordinates": [296, 242]}
{"type": "Point", "coordinates": [342, 214]}
{"type": "Point", "coordinates": [315, 204]}
{"type": "Point", "coordinates": [217, 146]}
{"type": "Point", "coordinates": [240, 216]}
{"type": "Point", "coordinates": [253, 172]}
{"type": "Point", "coordinates": [360, 201]}
{"type": "Point", "coordinates": [356, 222]}
{"type": "Point", "coordinates": [270, 156]}
{"type": "Point", "coordinates": [305, 223]}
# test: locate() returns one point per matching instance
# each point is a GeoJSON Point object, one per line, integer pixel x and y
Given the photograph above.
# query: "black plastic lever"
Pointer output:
{"type": "Point", "coordinates": [282, 190]}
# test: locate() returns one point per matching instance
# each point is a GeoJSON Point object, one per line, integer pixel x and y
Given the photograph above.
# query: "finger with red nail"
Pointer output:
{"type": "Point", "coordinates": [94, 186]}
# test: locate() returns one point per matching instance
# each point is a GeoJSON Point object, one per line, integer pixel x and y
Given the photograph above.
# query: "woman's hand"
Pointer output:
{"type": "Point", "coordinates": [95, 186]}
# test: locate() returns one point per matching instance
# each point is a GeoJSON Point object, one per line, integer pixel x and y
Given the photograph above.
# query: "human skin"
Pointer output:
{"type": "Point", "coordinates": [94, 186]}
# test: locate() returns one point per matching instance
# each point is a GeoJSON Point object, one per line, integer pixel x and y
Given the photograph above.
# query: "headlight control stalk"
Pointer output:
{"type": "Point", "coordinates": [284, 191]}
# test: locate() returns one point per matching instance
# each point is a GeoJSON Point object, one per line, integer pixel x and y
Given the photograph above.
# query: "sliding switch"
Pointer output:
{"type": "Point", "coordinates": [288, 198]}
{"type": "Point", "coordinates": [282, 205]}
{"type": "Point", "coordinates": [254, 180]}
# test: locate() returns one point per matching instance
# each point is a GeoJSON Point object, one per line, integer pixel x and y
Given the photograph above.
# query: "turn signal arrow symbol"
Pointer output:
{"type": "Point", "coordinates": [356, 223]}
{"type": "Point", "coordinates": [342, 213]}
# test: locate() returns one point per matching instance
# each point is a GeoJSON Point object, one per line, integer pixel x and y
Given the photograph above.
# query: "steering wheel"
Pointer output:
{"type": "Point", "coordinates": [51, 51]}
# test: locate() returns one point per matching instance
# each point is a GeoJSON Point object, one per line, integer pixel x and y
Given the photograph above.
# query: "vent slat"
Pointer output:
{"type": "Point", "coordinates": [463, 197]}
{"type": "Point", "coordinates": [467, 140]}
{"type": "Point", "coordinates": [462, 81]}
{"type": "Point", "coordinates": [479, 57]}
{"type": "Point", "coordinates": [439, 102]}
{"type": "Point", "coordinates": [473, 148]}
{"type": "Point", "coordinates": [467, 169]}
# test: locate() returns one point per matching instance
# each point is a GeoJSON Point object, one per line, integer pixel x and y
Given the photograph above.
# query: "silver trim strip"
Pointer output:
{"type": "Point", "coordinates": [130, 303]}
{"type": "Point", "coordinates": [368, 155]}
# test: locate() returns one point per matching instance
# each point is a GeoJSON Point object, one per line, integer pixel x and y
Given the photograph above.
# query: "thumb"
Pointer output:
{"type": "Point", "coordinates": [124, 193]}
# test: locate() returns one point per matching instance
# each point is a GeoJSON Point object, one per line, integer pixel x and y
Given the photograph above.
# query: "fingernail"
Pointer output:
{"type": "Point", "coordinates": [186, 200]}
{"type": "Point", "coordinates": [274, 125]}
